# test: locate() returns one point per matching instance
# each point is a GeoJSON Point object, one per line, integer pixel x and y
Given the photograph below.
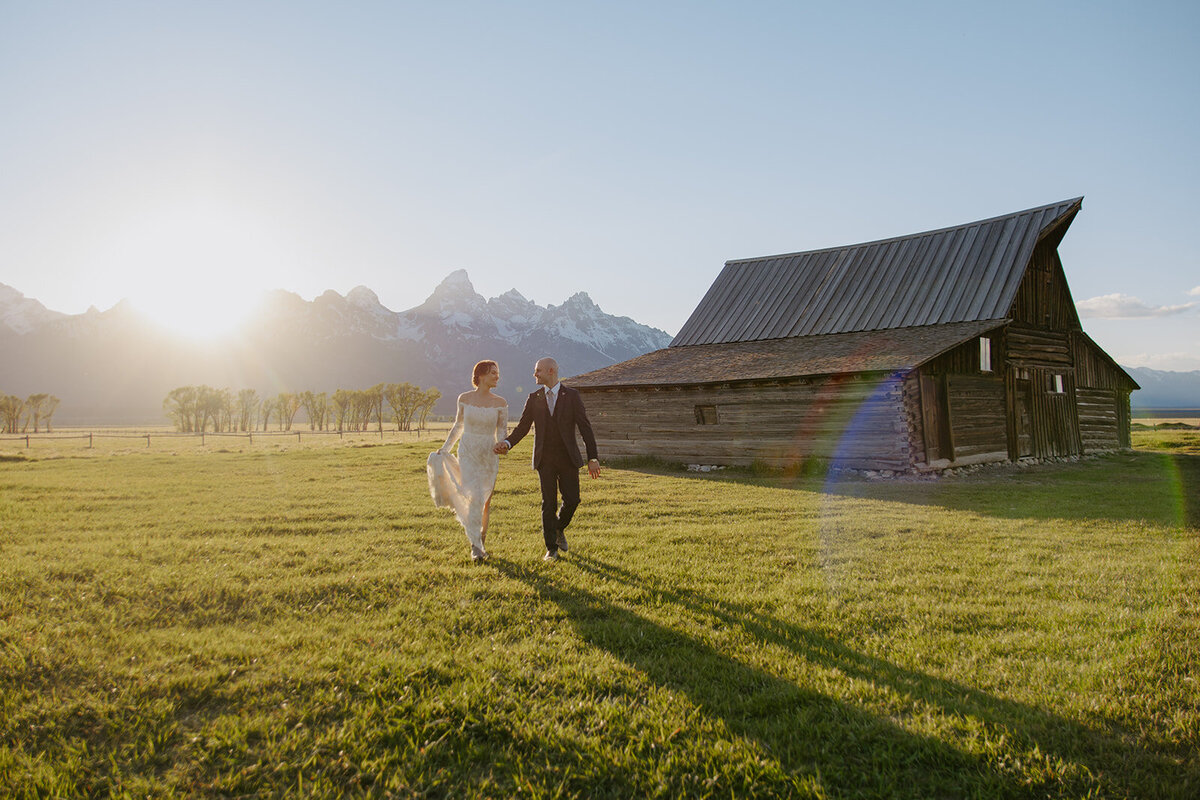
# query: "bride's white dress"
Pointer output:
{"type": "Point", "coordinates": [464, 483]}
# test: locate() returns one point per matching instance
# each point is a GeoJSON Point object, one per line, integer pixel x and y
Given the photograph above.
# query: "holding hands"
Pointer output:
{"type": "Point", "coordinates": [503, 447]}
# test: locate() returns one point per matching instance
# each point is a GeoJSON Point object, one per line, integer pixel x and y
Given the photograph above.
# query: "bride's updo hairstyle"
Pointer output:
{"type": "Point", "coordinates": [481, 369]}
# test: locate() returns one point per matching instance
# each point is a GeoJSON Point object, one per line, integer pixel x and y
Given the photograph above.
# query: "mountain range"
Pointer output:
{"type": "Point", "coordinates": [117, 366]}
{"type": "Point", "coordinates": [1162, 389]}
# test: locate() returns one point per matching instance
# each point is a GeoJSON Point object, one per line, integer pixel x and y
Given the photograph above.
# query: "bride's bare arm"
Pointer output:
{"type": "Point", "coordinates": [455, 431]}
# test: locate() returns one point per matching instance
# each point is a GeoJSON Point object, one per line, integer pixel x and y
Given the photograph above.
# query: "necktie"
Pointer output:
{"type": "Point", "coordinates": [550, 400]}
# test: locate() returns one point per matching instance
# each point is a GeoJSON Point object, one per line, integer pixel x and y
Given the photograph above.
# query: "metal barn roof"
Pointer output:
{"type": "Point", "coordinates": [962, 274]}
{"type": "Point", "coordinates": [866, 351]}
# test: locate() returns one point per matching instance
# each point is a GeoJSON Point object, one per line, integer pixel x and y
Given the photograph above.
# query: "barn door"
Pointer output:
{"type": "Point", "coordinates": [1054, 414]}
{"type": "Point", "coordinates": [1023, 419]}
{"type": "Point", "coordinates": [935, 419]}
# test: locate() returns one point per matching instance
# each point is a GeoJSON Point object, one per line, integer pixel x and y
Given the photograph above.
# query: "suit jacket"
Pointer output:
{"type": "Point", "coordinates": [569, 414]}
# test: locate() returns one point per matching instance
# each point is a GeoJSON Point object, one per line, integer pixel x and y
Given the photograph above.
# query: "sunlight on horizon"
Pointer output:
{"type": "Point", "coordinates": [203, 315]}
{"type": "Point", "coordinates": [198, 268]}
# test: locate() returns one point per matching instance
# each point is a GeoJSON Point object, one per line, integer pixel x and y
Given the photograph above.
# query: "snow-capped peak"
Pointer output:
{"type": "Point", "coordinates": [513, 295]}
{"type": "Point", "coordinates": [457, 282]}
{"type": "Point", "coordinates": [362, 297]}
{"type": "Point", "coordinates": [456, 303]}
{"type": "Point", "coordinates": [582, 299]}
{"type": "Point", "coordinates": [512, 304]}
{"type": "Point", "coordinates": [455, 291]}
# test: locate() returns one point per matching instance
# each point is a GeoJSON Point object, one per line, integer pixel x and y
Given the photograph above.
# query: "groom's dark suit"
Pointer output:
{"type": "Point", "coordinates": [556, 455]}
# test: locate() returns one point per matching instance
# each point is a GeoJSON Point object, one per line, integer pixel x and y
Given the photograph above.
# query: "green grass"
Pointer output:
{"type": "Point", "coordinates": [301, 622]}
{"type": "Point", "coordinates": [1177, 437]}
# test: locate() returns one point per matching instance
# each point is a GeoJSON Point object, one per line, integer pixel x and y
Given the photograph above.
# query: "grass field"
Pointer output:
{"type": "Point", "coordinates": [299, 621]}
{"type": "Point", "coordinates": [1177, 436]}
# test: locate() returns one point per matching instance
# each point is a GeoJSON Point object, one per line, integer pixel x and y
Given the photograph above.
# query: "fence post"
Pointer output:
{"type": "Point", "coordinates": [27, 441]}
{"type": "Point", "coordinates": [297, 437]}
{"type": "Point", "coordinates": [201, 438]}
{"type": "Point", "coordinates": [147, 440]}
{"type": "Point", "coordinates": [89, 441]}
{"type": "Point", "coordinates": [251, 435]}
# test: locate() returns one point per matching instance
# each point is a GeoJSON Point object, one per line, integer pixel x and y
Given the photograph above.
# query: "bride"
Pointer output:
{"type": "Point", "coordinates": [465, 483]}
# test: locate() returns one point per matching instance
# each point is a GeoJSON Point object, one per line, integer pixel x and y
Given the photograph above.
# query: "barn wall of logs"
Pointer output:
{"type": "Point", "coordinates": [855, 421]}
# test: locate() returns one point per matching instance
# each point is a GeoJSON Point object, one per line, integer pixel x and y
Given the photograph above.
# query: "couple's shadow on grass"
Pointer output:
{"type": "Point", "coordinates": [843, 745]}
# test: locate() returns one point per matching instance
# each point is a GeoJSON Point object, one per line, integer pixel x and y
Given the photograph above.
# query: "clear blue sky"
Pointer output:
{"type": "Point", "coordinates": [203, 152]}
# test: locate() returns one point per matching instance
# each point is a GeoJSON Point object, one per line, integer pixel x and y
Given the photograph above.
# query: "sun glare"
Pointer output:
{"type": "Point", "coordinates": [199, 269]}
{"type": "Point", "coordinates": [195, 311]}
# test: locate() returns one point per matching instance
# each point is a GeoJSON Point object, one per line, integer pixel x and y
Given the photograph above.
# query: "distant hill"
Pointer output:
{"type": "Point", "coordinates": [1163, 389]}
{"type": "Point", "coordinates": [116, 366]}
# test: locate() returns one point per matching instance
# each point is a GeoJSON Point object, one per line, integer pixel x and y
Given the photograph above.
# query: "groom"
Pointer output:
{"type": "Point", "coordinates": [555, 411]}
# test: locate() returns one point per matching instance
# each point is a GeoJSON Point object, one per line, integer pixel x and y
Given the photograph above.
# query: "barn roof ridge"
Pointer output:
{"type": "Point", "coordinates": [890, 239]}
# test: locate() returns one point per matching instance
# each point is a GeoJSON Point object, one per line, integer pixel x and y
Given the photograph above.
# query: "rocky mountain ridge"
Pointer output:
{"type": "Point", "coordinates": [116, 366]}
{"type": "Point", "coordinates": [1163, 389]}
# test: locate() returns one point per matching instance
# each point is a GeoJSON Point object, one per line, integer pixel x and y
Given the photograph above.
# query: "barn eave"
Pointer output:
{"type": "Point", "coordinates": [891, 351]}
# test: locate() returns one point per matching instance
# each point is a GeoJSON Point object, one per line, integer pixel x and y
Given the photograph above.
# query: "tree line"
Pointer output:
{"type": "Point", "coordinates": [17, 414]}
{"type": "Point", "coordinates": [197, 409]}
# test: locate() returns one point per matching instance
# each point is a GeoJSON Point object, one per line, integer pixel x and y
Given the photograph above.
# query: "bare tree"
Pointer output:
{"type": "Point", "coordinates": [247, 403]}
{"type": "Point", "coordinates": [12, 408]}
{"type": "Point", "coordinates": [316, 407]}
{"type": "Point", "coordinates": [181, 405]}
{"type": "Point", "coordinates": [403, 399]}
{"type": "Point", "coordinates": [48, 409]}
{"type": "Point", "coordinates": [268, 408]}
{"type": "Point", "coordinates": [321, 404]}
{"type": "Point", "coordinates": [343, 404]}
{"type": "Point", "coordinates": [34, 405]}
{"type": "Point", "coordinates": [209, 404]}
{"type": "Point", "coordinates": [361, 406]}
{"type": "Point", "coordinates": [227, 410]}
{"type": "Point", "coordinates": [428, 400]}
{"type": "Point", "coordinates": [286, 407]}
{"type": "Point", "coordinates": [375, 395]}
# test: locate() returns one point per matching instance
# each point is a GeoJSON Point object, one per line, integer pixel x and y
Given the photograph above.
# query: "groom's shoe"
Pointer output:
{"type": "Point", "coordinates": [562, 541]}
{"type": "Point", "coordinates": [551, 555]}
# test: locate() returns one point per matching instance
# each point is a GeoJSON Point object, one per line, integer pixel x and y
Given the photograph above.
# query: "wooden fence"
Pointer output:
{"type": "Point", "coordinates": [29, 439]}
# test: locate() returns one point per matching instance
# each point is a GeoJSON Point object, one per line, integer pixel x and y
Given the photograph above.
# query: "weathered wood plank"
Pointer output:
{"type": "Point", "coordinates": [859, 421]}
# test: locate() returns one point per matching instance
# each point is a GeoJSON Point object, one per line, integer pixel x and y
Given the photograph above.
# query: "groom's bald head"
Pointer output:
{"type": "Point", "coordinates": [545, 371]}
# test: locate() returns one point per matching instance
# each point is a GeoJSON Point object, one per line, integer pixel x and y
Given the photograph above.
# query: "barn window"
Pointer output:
{"type": "Point", "coordinates": [1056, 384]}
{"type": "Point", "coordinates": [985, 354]}
{"type": "Point", "coordinates": [706, 415]}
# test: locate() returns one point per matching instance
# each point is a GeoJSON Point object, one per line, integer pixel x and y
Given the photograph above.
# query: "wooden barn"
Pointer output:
{"type": "Point", "coordinates": [940, 349]}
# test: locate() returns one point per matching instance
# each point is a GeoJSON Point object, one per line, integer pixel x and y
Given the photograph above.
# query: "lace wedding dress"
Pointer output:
{"type": "Point", "coordinates": [465, 483]}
